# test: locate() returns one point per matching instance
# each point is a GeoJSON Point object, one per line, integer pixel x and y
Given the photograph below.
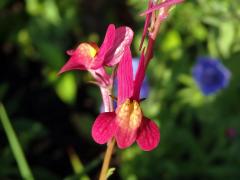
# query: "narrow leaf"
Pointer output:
{"type": "Point", "coordinates": [15, 145]}
{"type": "Point", "coordinates": [77, 164]}
{"type": "Point", "coordinates": [110, 172]}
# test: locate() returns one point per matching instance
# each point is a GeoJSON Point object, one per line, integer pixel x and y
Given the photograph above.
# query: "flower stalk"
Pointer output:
{"type": "Point", "coordinates": [106, 92]}
{"type": "Point", "coordinates": [107, 159]}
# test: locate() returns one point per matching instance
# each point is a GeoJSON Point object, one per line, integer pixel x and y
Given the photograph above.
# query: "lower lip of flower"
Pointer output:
{"type": "Point", "coordinates": [129, 114]}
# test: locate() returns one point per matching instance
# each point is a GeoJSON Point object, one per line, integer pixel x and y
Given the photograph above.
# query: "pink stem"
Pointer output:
{"type": "Point", "coordinates": [107, 100]}
{"type": "Point", "coordinates": [105, 83]}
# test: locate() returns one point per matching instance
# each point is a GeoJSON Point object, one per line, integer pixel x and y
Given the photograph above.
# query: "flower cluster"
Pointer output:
{"type": "Point", "coordinates": [126, 123]}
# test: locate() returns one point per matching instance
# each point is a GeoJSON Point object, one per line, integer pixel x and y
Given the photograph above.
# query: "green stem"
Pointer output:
{"type": "Point", "coordinates": [15, 145]}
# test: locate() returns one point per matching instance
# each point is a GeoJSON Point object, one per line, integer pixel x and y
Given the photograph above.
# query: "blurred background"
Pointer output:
{"type": "Point", "coordinates": [52, 115]}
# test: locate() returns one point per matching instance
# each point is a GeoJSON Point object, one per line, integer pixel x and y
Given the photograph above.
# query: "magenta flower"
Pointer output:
{"type": "Point", "coordinates": [88, 56]}
{"type": "Point", "coordinates": [127, 124]}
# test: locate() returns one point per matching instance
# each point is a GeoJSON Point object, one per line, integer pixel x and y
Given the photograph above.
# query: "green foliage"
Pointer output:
{"type": "Point", "coordinates": [110, 172]}
{"type": "Point", "coordinates": [66, 88]}
{"type": "Point", "coordinates": [51, 113]}
{"type": "Point", "coordinates": [15, 145]}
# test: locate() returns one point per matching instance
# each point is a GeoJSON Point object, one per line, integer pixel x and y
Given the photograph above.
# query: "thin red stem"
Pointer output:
{"type": "Point", "coordinates": [153, 35]}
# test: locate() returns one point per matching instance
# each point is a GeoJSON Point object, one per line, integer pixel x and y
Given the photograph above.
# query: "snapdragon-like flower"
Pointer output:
{"type": "Point", "coordinates": [127, 124]}
{"type": "Point", "coordinates": [88, 56]}
{"type": "Point", "coordinates": [210, 75]}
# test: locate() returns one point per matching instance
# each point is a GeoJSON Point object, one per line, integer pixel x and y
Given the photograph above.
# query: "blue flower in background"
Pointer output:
{"type": "Point", "coordinates": [210, 75]}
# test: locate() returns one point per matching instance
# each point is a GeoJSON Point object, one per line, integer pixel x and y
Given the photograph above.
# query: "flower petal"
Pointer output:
{"type": "Point", "coordinates": [148, 135]}
{"type": "Point", "coordinates": [107, 44]}
{"type": "Point", "coordinates": [125, 77]}
{"type": "Point", "coordinates": [139, 77]}
{"type": "Point", "coordinates": [74, 63]}
{"type": "Point", "coordinates": [163, 4]}
{"type": "Point", "coordinates": [123, 38]}
{"type": "Point", "coordinates": [104, 127]}
{"type": "Point", "coordinates": [125, 137]}
{"type": "Point", "coordinates": [81, 58]}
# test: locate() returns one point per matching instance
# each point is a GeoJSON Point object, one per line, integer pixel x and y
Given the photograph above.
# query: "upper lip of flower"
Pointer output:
{"type": "Point", "coordinates": [89, 56]}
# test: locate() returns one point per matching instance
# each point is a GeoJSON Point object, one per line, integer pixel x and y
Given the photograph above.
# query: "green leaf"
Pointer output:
{"type": "Point", "coordinates": [171, 41]}
{"type": "Point", "coordinates": [171, 44]}
{"type": "Point", "coordinates": [77, 164]}
{"type": "Point", "coordinates": [212, 46]}
{"type": "Point", "coordinates": [15, 145]}
{"type": "Point", "coordinates": [33, 7]}
{"type": "Point", "coordinates": [66, 88]}
{"type": "Point", "coordinates": [51, 12]}
{"type": "Point", "coordinates": [110, 172]}
{"type": "Point", "coordinates": [226, 38]}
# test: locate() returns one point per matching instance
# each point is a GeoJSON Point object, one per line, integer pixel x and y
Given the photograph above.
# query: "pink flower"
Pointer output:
{"type": "Point", "coordinates": [127, 124]}
{"type": "Point", "coordinates": [88, 56]}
